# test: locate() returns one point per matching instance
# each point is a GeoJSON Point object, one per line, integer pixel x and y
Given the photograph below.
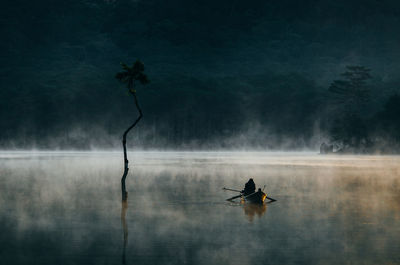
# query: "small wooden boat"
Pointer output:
{"type": "Point", "coordinates": [256, 197]}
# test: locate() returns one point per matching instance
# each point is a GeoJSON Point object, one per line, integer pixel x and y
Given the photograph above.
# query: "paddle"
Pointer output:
{"type": "Point", "coordinates": [269, 198]}
{"type": "Point", "coordinates": [272, 200]}
{"type": "Point", "coordinates": [231, 189]}
{"type": "Point", "coordinates": [234, 197]}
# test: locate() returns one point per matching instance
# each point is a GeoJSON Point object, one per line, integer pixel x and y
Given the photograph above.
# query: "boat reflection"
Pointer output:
{"type": "Point", "coordinates": [252, 209]}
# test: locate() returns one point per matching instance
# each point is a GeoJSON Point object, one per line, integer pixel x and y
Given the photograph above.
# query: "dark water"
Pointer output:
{"type": "Point", "coordinates": [65, 208]}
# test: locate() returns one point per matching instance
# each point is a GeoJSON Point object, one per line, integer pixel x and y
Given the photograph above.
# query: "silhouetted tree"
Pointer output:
{"type": "Point", "coordinates": [353, 91]}
{"type": "Point", "coordinates": [350, 131]}
{"type": "Point", "coordinates": [130, 76]}
{"type": "Point", "coordinates": [348, 97]}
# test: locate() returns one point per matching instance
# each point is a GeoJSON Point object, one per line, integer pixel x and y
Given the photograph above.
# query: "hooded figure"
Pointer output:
{"type": "Point", "coordinates": [249, 188]}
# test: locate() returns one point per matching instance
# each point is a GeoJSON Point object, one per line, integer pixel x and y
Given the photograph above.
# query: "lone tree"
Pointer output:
{"type": "Point", "coordinates": [349, 96]}
{"type": "Point", "coordinates": [353, 91]}
{"type": "Point", "coordinates": [130, 76]}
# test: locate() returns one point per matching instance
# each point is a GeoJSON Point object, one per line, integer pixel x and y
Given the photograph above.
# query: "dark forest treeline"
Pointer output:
{"type": "Point", "coordinates": [268, 111]}
{"type": "Point", "coordinates": [224, 74]}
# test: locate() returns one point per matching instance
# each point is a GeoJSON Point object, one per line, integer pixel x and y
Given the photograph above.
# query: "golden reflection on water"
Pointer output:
{"type": "Point", "coordinates": [330, 209]}
{"type": "Point", "coordinates": [251, 210]}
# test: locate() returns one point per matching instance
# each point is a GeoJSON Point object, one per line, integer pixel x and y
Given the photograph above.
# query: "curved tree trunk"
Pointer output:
{"type": "Point", "coordinates": [126, 168]}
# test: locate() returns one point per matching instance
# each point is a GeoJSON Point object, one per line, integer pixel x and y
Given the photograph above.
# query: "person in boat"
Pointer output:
{"type": "Point", "coordinates": [249, 187]}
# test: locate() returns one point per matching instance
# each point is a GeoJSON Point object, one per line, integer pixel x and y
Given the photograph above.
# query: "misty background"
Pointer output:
{"type": "Point", "coordinates": [224, 74]}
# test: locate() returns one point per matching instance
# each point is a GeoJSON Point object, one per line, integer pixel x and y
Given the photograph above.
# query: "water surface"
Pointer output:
{"type": "Point", "coordinates": [65, 208]}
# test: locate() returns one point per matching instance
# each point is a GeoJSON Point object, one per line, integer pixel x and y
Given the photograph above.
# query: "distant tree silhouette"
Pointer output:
{"type": "Point", "coordinates": [348, 96]}
{"type": "Point", "coordinates": [353, 90]}
{"type": "Point", "coordinates": [130, 76]}
{"type": "Point", "coordinates": [349, 131]}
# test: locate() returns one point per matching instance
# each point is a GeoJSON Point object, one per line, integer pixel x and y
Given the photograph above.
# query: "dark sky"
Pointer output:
{"type": "Point", "coordinates": [202, 37]}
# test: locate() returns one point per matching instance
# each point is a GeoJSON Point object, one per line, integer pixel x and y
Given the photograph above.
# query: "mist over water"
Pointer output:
{"type": "Point", "coordinates": [65, 208]}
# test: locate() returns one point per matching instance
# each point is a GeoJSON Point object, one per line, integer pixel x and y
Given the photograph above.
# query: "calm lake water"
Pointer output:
{"type": "Point", "coordinates": [65, 208]}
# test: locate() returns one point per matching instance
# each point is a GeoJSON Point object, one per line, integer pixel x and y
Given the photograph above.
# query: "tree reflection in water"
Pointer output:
{"type": "Point", "coordinates": [125, 228]}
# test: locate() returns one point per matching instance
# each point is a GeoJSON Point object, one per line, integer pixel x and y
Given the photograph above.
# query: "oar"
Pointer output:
{"type": "Point", "coordinates": [232, 189]}
{"type": "Point", "coordinates": [272, 200]}
{"type": "Point", "coordinates": [234, 197]}
{"type": "Point", "coordinates": [269, 198]}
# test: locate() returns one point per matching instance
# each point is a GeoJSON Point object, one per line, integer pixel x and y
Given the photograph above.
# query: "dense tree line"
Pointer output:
{"type": "Point", "coordinates": [351, 121]}
{"type": "Point", "coordinates": [266, 111]}
{"type": "Point", "coordinates": [225, 74]}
